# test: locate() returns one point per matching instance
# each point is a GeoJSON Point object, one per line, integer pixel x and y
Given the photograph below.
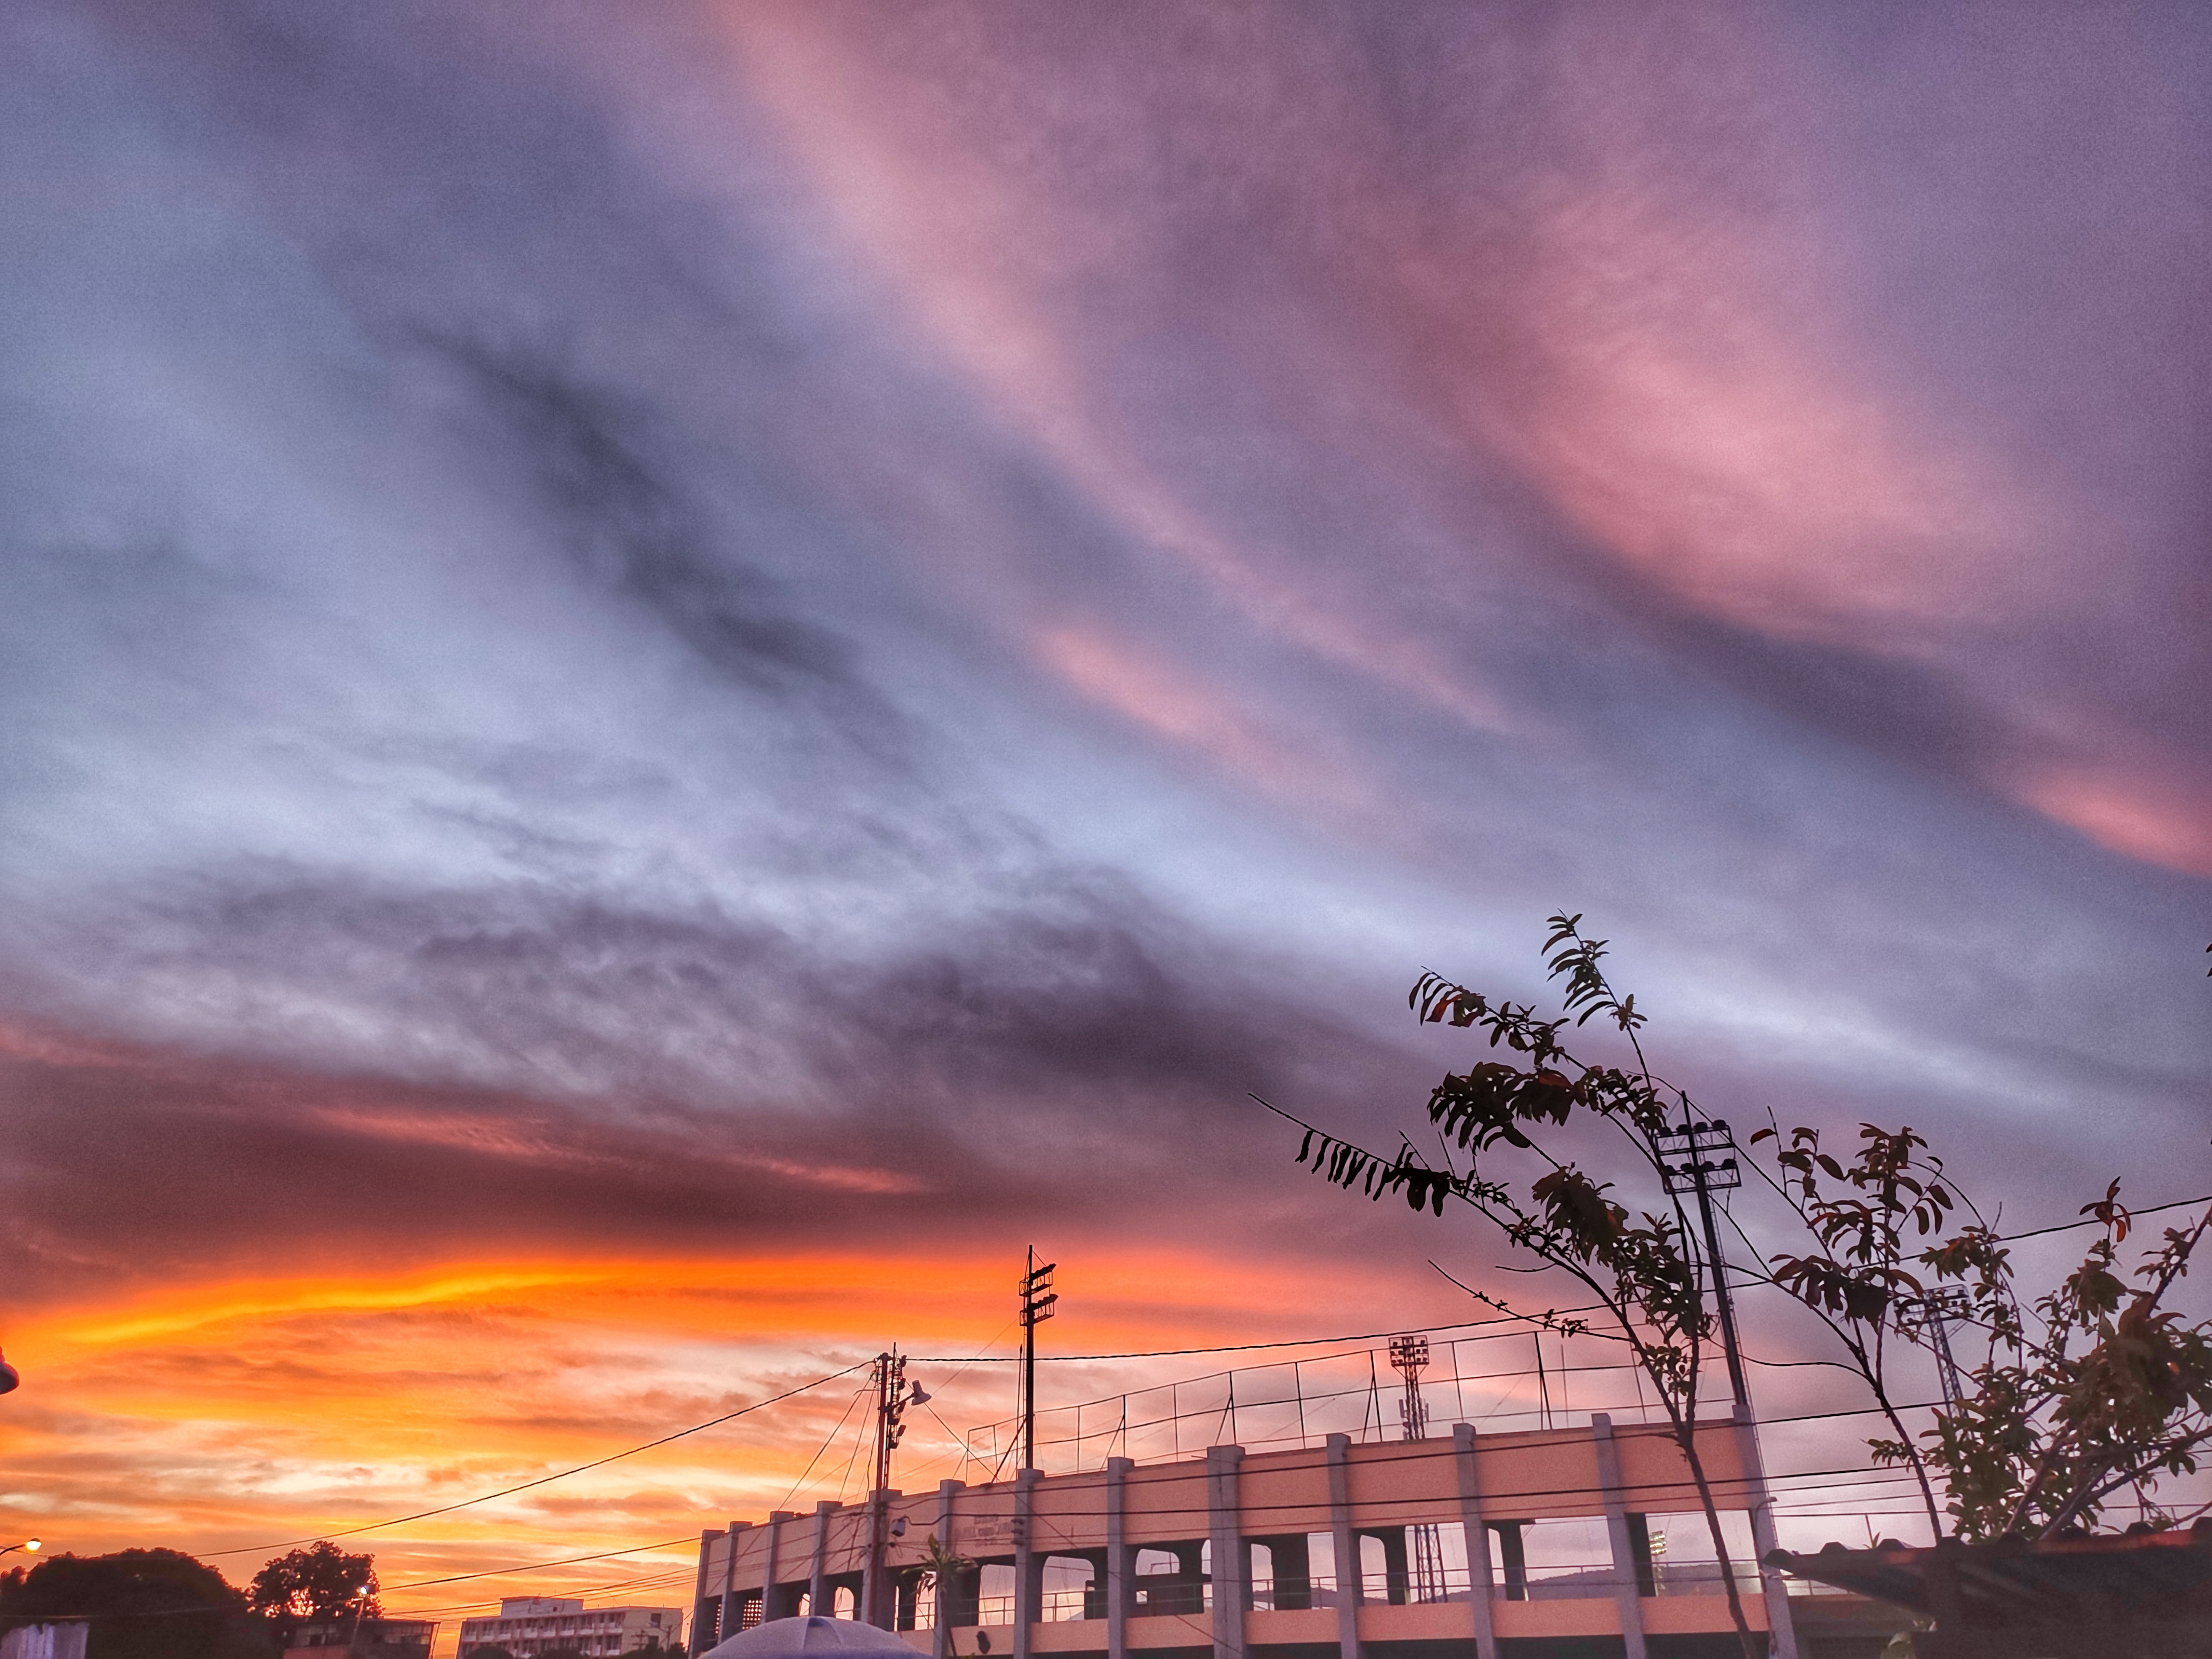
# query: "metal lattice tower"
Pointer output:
{"type": "Point", "coordinates": [1945, 1305]}
{"type": "Point", "coordinates": [1424, 1566]}
{"type": "Point", "coordinates": [1409, 1358]}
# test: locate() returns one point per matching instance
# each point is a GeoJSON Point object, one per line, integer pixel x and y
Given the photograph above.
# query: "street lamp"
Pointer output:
{"type": "Point", "coordinates": [29, 1545]}
{"type": "Point", "coordinates": [10, 1378]}
{"type": "Point", "coordinates": [360, 1608]}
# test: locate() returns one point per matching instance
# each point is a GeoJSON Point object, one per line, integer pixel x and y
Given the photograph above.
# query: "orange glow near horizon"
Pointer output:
{"type": "Point", "coordinates": [227, 1417]}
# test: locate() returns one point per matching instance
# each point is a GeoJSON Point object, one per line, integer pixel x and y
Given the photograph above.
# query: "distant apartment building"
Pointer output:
{"type": "Point", "coordinates": [365, 1639]}
{"type": "Point", "coordinates": [529, 1626]}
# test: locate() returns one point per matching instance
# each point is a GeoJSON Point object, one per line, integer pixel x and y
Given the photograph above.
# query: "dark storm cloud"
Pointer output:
{"type": "Point", "coordinates": [630, 529]}
{"type": "Point", "coordinates": [697, 1081]}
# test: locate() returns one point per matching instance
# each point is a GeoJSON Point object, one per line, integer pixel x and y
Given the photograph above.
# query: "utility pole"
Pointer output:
{"type": "Point", "coordinates": [893, 1395]}
{"type": "Point", "coordinates": [892, 1401]}
{"type": "Point", "coordinates": [1708, 1165]}
{"type": "Point", "coordinates": [1038, 1298]}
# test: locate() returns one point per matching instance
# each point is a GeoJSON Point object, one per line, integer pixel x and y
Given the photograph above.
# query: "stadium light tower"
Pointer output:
{"type": "Point", "coordinates": [1409, 1358]}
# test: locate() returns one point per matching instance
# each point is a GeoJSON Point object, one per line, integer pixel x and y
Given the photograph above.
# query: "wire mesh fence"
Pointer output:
{"type": "Point", "coordinates": [1298, 1403]}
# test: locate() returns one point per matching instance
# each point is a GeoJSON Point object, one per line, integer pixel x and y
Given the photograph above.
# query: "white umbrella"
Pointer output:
{"type": "Point", "coordinates": [790, 1638]}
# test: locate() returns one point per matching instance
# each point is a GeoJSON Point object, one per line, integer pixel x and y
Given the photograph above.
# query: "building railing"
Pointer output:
{"type": "Point", "coordinates": [1300, 1403]}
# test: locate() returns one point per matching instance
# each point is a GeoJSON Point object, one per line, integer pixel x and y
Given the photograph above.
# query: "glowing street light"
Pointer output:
{"type": "Point", "coordinates": [30, 1545]}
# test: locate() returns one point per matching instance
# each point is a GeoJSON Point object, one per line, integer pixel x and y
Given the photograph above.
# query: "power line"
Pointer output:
{"type": "Point", "coordinates": [1464, 1325]}
{"type": "Point", "coordinates": [2092, 1221]}
{"type": "Point", "coordinates": [533, 1567]}
{"type": "Point", "coordinates": [859, 1440]}
{"type": "Point", "coordinates": [650, 1580]}
{"type": "Point", "coordinates": [1838, 1479]}
{"type": "Point", "coordinates": [964, 1360]}
{"type": "Point", "coordinates": [799, 1485]}
{"type": "Point", "coordinates": [776, 1399]}
{"type": "Point", "coordinates": [1399, 1452]}
{"type": "Point", "coordinates": [1242, 1347]}
{"type": "Point", "coordinates": [1834, 1479]}
{"type": "Point", "coordinates": [543, 1480]}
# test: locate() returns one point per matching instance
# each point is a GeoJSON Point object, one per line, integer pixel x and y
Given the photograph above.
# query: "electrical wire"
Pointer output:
{"type": "Point", "coordinates": [533, 1567]}
{"type": "Point", "coordinates": [1788, 1501]}
{"type": "Point", "coordinates": [651, 1581]}
{"type": "Point", "coordinates": [1464, 1325]}
{"type": "Point", "coordinates": [1315, 1397]}
{"type": "Point", "coordinates": [860, 1443]}
{"type": "Point", "coordinates": [799, 1484]}
{"type": "Point", "coordinates": [2092, 1221]}
{"type": "Point", "coordinates": [968, 1360]}
{"type": "Point", "coordinates": [1240, 1347]}
{"type": "Point", "coordinates": [544, 1480]}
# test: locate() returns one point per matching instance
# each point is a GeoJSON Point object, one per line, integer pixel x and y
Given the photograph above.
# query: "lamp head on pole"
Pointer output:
{"type": "Point", "coordinates": [10, 1378]}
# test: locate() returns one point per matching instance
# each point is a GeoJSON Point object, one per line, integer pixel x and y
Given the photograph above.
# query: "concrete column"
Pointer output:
{"type": "Point", "coordinates": [1029, 1566]}
{"type": "Point", "coordinates": [1512, 1559]}
{"type": "Point", "coordinates": [1117, 1558]}
{"type": "Point", "coordinates": [940, 1638]}
{"type": "Point", "coordinates": [1292, 1562]}
{"type": "Point", "coordinates": [771, 1602]}
{"type": "Point", "coordinates": [1397, 1582]}
{"type": "Point", "coordinates": [1478, 1541]}
{"type": "Point", "coordinates": [1346, 1548]}
{"type": "Point", "coordinates": [879, 1590]}
{"type": "Point", "coordinates": [1782, 1638]}
{"type": "Point", "coordinates": [699, 1592]}
{"type": "Point", "coordinates": [818, 1603]}
{"type": "Point", "coordinates": [1616, 1528]}
{"type": "Point", "coordinates": [1232, 1562]}
{"type": "Point", "coordinates": [728, 1622]}
{"type": "Point", "coordinates": [867, 1606]}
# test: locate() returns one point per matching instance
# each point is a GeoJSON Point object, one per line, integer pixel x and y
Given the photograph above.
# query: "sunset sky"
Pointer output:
{"type": "Point", "coordinates": [676, 675]}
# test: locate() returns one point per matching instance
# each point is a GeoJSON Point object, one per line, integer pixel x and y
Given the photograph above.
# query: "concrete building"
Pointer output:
{"type": "Point", "coordinates": [365, 1639]}
{"type": "Point", "coordinates": [1551, 1544]}
{"type": "Point", "coordinates": [529, 1626]}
